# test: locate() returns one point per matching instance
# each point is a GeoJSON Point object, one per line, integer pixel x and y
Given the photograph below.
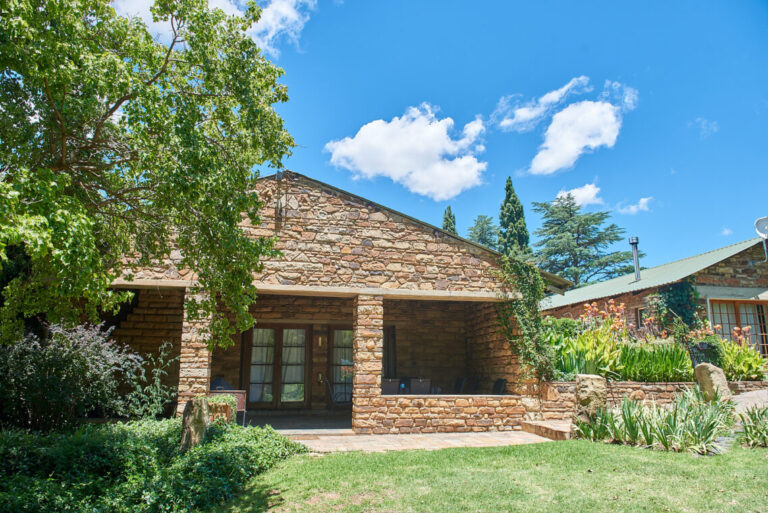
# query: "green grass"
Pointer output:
{"type": "Point", "coordinates": [574, 476]}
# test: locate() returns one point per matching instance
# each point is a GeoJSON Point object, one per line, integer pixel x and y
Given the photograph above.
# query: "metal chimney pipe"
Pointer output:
{"type": "Point", "coordinates": [633, 242]}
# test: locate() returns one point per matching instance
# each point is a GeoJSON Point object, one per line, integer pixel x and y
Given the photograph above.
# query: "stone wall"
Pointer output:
{"type": "Point", "coordinates": [331, 238]}
{"type": "Point", "coordinates": [157, 317]}
{"type": "Point", "coordinates": [737, 271]}
{"type": "Point", "coordinates": [558, 398]}
{"type": "Point", "coordinates": [399, 414]}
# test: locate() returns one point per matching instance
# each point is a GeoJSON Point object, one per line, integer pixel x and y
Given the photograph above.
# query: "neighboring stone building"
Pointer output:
{"type": "Point", "coordinates": [732, 283]}
{"type": "Point", "coordinates": [361, 293]}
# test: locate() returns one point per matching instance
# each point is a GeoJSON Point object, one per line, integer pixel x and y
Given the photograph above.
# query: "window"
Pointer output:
{"type": "Point", "coordinates": [740, 314]}
{"type": "Point", "coordinates": [342, 365]}
{"type": "Point", "coordinates": [639, 317]}
{"type": "Point", "coordinates": [389, 364]}
{"type": "Point", "coordinates": [275, 365]}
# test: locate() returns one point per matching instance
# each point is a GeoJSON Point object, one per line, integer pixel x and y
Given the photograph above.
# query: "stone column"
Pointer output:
{"type": "Point", "coordinates": [194, 358]}
{"type": "Point", "coordinates": [368, 351]}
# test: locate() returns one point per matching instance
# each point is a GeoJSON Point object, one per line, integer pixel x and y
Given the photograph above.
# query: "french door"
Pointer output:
{"type": "Point", "coordinates": [275, 366]}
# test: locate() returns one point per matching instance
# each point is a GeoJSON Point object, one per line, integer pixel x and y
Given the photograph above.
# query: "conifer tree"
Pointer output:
{"type": "Point", "coordinates": [449, 221]}
{"type": "Point", "coordinates": [513, 232]}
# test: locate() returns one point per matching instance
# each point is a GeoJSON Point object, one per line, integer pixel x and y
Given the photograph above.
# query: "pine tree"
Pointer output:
{"type": "Point", "coordinates": [484, 232]}
{"type": "Point", "coordinates": [513, 233]}
{"type": "Point", "coordinates": [449, 221]}
{"type": "Point", "coordinates": [575, 244]}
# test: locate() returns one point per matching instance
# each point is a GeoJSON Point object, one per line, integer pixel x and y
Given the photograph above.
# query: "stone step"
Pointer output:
{"type": "Point", "coordinates": [552, 429]}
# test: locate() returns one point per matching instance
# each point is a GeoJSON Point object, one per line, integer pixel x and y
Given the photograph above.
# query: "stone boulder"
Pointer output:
{"type": "Point", "coordinates": [591, 394]}
{"type": "Point", "coordinates": [194, 422]}
{"type": "Point", "coordinates": [712, 382]}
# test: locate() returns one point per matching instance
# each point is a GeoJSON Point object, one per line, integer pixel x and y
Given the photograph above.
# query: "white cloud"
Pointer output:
{"type": "Point", "coordinates": [641, 206]}
{"type": "Point", "coordinates": [588, 194]}
{"type": "Point", "coordinates": [416, 150]}
{"type": "Point", "coordinates": [623, 96]}
{"type": "Point", "coordinates": [706, 127]}
{"type": "Point", "coordinates": [726, 232]}
{"type": "Point", "coordinates": [522, 117]}
{"type": "Point", "coordinates": [280, 19]}
{"type": "Point", "coordinates": [578, 128]}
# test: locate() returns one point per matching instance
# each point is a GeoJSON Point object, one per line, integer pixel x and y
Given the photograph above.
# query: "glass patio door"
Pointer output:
{"type": "Point", "coordinates": [276, 368]}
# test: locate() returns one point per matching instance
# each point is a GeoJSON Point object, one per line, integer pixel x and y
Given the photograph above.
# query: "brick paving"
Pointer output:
{"type": "Point", "coordinates": [342, 442]}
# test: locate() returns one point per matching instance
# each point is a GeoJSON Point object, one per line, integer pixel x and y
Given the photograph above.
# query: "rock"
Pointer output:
{"type": "Point", "coordinates": [591, 394]}
{"type": "Point", "coordinates": [712, 382]}
{"type": "Point", "coordinates": [194, 422]}
{"type": "Point", "coordinates": [637, 395]}
{"type": "Point", "coordinates": [747, 400]}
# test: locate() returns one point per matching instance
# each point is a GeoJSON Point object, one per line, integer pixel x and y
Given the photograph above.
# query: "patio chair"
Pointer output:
{"type": "Point", "coordinates": [336, 400]}
{"type": "Point", "coordinates": [390, 386]}
{"type": "Point", "coordinates": [499, 387]}
{"type": "Point", "coordinates": [421, 386]}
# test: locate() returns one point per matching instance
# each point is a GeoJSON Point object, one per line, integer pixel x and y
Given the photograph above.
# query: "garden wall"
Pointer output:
{"type": "Point", "coordinates": [398, 414]}
{"type": "Point", "coordinates": [558, 398]}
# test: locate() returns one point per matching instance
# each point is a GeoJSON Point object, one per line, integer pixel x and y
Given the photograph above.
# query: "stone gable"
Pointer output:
{"type": "Point", "coordinates": [334, 239]}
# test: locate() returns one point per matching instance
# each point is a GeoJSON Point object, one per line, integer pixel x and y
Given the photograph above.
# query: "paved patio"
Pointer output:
{"type": "Point", "coordinates": [347, 441]}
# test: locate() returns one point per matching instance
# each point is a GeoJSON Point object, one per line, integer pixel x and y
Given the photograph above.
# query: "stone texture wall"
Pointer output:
{"type": "Point", "coordinates": [194, 357]}
{"type": "Point", "coordinates": [399, 414]}
{"type": "Point", "coordinates": [737, 271]}
{"type": "Point", "coordinates": [156, 318]}
{"type": "Point", "coordinates": [368, 346]}
{"type": "Point", "coordinates": [331, 238]}
{"type": "Point", "coordinates": [558, 398]}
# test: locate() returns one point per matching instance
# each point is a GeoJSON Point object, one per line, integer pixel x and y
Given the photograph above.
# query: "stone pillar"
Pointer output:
{"type": "Point", "coordinates": [368, 353]}
{"type": "Point", "coordinates": [194, 359]}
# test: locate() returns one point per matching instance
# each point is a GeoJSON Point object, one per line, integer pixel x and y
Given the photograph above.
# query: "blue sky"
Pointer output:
{"type": "Point", "coordinates": [662, 106]}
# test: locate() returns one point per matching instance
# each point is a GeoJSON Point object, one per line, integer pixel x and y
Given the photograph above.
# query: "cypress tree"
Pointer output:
{"type": "Point", "coordinates": [449, 221]}
{"type": "Point", "coordinates": [513, 233]}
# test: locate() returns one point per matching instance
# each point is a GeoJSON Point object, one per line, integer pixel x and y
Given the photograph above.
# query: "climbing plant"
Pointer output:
{"type": "Point", "coordinates": [678, 300]}
{"type": "Point", "coordinates": [519, 317]}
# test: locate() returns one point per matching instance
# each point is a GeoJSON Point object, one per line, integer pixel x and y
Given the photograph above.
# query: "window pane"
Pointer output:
{"type": "Point", "coordinates": [260, 392]}
{"type": "Point", "coordinates": [293, 358]}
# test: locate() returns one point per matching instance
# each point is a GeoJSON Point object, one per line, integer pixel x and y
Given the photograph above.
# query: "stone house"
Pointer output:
{"type": "Point", "coordinates": [732, 283]}
{"type": "Point", "coordinates": [367, 307]}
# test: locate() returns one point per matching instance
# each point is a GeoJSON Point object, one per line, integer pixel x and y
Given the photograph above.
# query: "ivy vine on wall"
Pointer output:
{"type": "Point", "coordinates": [519, 317]}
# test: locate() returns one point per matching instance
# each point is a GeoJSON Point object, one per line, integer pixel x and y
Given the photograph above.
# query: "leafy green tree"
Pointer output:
{"type": "Point", "coordinates": [449, 221]}
{"type": "Point", "coordinates": [484, 232]}
{"type": "Point", "coordinates": [117, 150]}
{"type": "Point", "coordinates": [513, 232]}
{"type": "Point", "coordinates": [575, 244]}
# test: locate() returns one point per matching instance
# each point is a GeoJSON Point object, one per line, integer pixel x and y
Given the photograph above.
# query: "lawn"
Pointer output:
{"type": "Point", "coordinates": [574, 476]}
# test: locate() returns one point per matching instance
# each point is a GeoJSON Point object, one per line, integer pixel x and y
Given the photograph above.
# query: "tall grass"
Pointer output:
{"type": "Point", "coordinates": [690, 424]}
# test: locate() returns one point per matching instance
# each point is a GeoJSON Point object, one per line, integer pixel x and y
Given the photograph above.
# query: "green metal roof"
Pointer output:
{"type": "Point", "coordinates": [653, 277]}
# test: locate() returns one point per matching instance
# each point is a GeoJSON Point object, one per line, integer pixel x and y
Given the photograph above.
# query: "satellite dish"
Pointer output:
{"type": "Point", "coordinates": [761, 227]}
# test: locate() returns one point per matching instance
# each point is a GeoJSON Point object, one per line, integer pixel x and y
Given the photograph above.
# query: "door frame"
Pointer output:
{"type": "Point", "coordinates": [277, 364]}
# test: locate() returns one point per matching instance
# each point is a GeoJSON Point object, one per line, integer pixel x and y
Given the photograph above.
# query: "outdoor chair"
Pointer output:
{"type": "Point", "coordinates": [499, 386]}
{"type": "Point", "coordinates": [421, 386]}
{"type": "Point", "coordinates": [390, 386]}
{"type": "Point", "coordinates": [336, 400]}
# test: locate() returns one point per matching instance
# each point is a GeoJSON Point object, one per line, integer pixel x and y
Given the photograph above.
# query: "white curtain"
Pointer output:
{"type": "Point", "coordinates": [293, 359]}
{"type": "Point", "coordinates": [262, 365]}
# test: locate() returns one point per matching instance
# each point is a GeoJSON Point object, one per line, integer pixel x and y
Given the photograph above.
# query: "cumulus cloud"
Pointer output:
{"type": "Point", "coordinates": [578, 128]}
{"type": "Point", "coordinates": [513, 115]}
{"type": "Point", "coordinates": [726, 232]}
{"type": "Point", "coordinates": [706, 127]}
{"type": "Point", "coordinates": [641, 206]}
{"type": "Point", "coordinates": [280, 19]}
{"type": "Point", "coordinates": [583, 126]}
{"type": "Point", "coordinates": [588, 194]}
{"type": "Point", "coordinates": [416, 150]}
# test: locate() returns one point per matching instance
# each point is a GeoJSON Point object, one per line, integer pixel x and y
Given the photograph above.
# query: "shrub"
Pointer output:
{"type": "Point", "coordinates": [49, 384]}
{"type": "Point", "coordinates": [654, 361]}
{"type": "Point", "coordinates": [149, 396]}
{"type": "Point", "coordinates": [742, 362]}
{"type": "Point", "coordinates": [690, 424]}
{"type": "Point", "coordinates": [755, 424]}
{"type": "Point", "coordinates": [132, 467]}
